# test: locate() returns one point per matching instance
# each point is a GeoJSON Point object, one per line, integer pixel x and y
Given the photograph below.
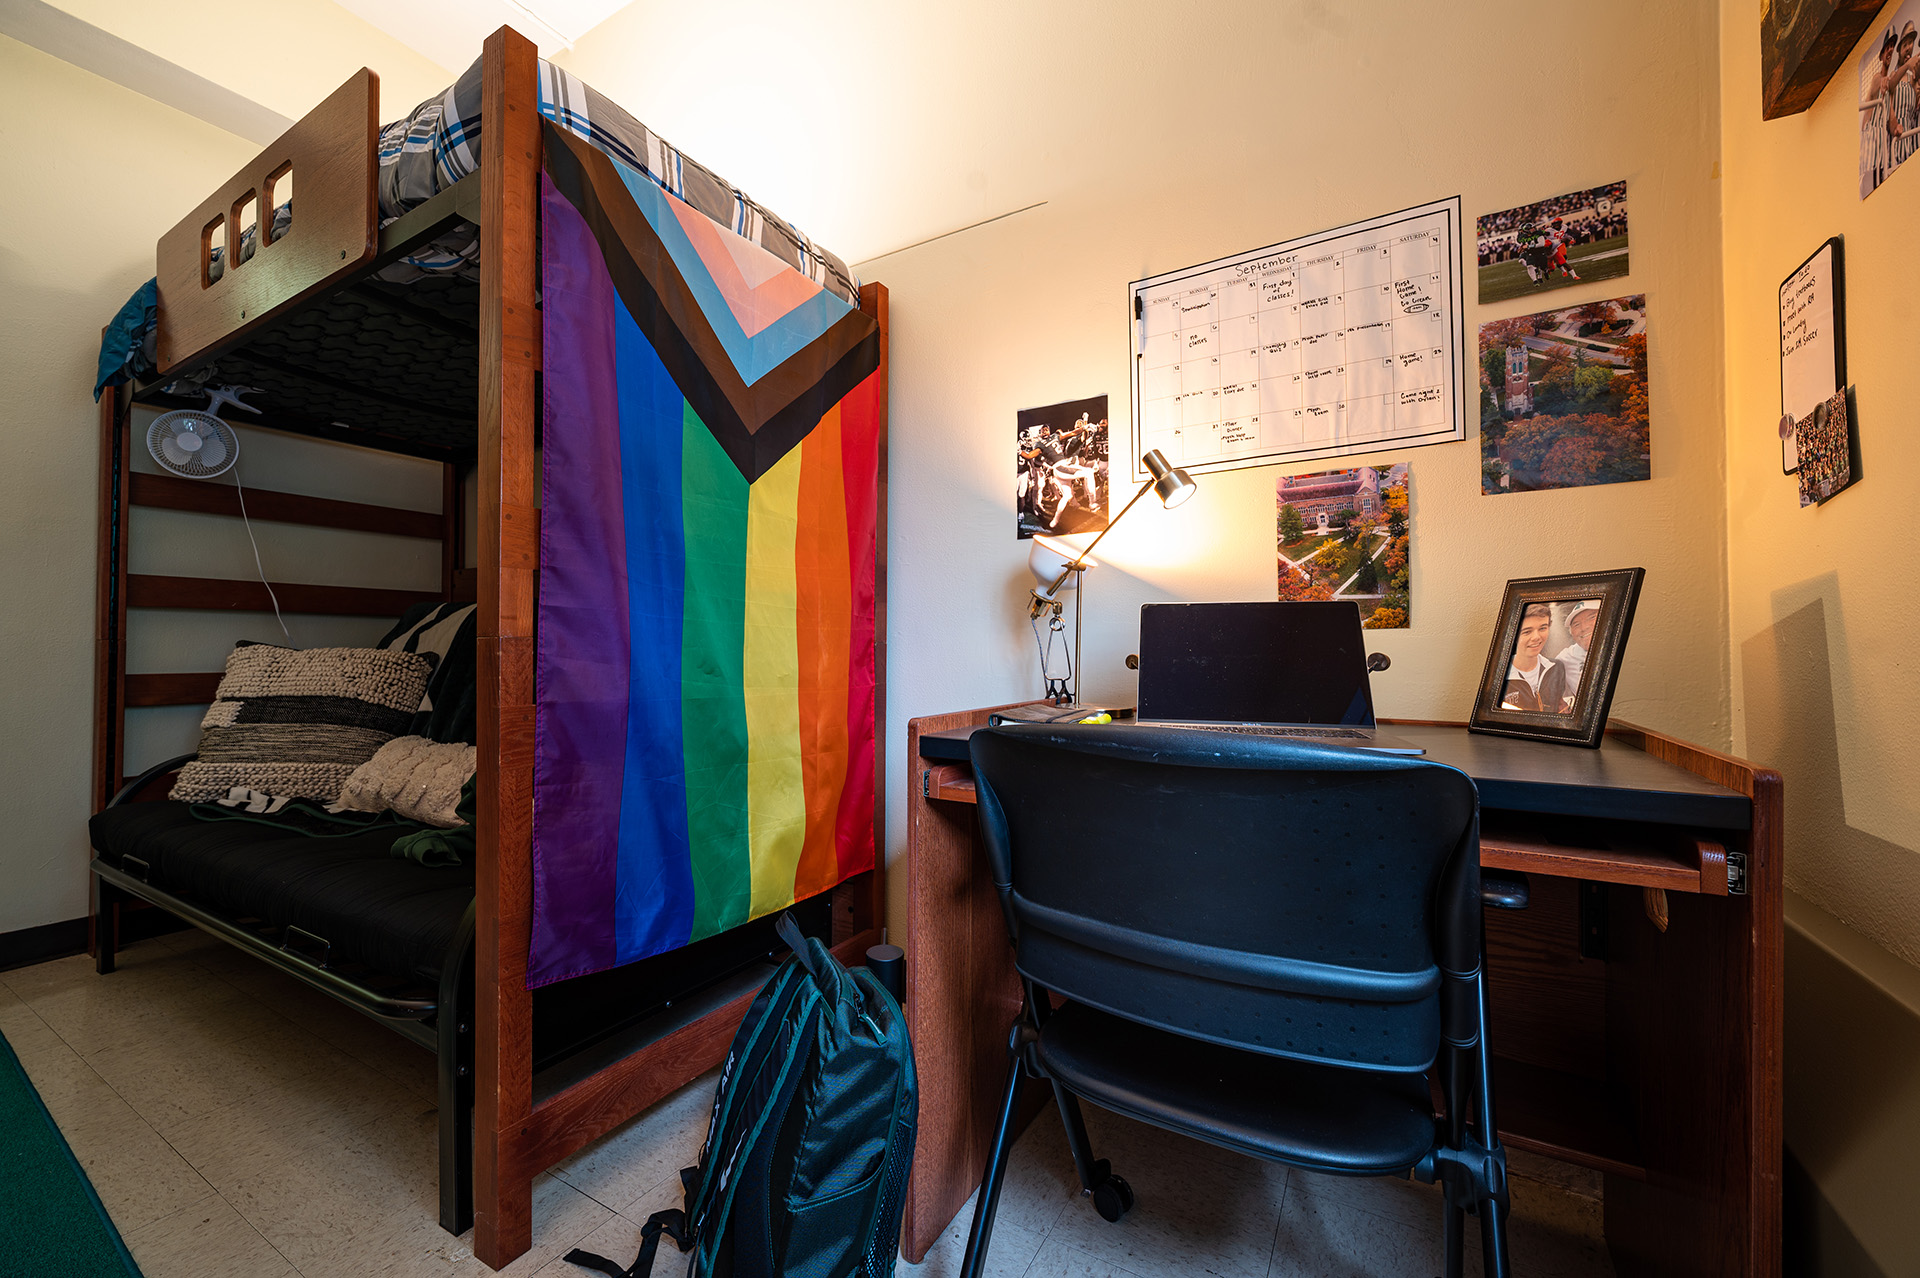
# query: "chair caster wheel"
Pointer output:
{"type": "Point", "coordinates": [1113, 1199]}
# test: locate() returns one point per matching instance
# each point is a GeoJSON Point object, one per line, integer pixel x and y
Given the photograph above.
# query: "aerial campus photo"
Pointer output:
{"type": "Point", "coordinates": [1563, 398]}
{"type": "Point", "coordinates": [1343, 534]}
{"type": "Point", "coordinates": [1575, 238]}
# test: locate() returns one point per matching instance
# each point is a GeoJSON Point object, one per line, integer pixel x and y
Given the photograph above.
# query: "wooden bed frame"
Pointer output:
{"type": "Point", "coordinates": [332, 246]}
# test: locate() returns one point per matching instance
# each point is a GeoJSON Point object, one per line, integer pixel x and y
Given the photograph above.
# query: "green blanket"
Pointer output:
{"type": "Point", "coordinates": [431, 845]}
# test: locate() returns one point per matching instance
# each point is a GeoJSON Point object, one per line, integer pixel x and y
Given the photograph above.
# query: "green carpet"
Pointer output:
{"type": "Point", "coordinates": [51, 1221]}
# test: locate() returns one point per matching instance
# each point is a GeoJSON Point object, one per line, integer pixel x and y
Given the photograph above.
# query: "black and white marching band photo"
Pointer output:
{"type": "Point", "coordinates": [1060, 467]}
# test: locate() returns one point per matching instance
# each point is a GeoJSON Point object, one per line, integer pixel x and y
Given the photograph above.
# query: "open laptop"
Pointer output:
{"type": "Point", "coordinates": [1296, 670]}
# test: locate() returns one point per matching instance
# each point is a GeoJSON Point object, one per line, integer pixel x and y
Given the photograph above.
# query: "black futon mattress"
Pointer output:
{"type": "Point", "coordinates": [389, 913]}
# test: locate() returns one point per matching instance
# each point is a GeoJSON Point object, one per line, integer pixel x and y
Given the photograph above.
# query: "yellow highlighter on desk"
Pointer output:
{"type": "Point", "coordinates": [1102, 717]}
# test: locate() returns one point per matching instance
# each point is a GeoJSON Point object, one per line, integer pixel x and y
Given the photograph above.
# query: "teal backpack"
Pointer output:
{"type": "Point", "coordinates": [804, 1172]}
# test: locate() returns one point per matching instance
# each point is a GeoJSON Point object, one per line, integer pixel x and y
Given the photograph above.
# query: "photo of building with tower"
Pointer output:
{"type": "Point", "coordinates": [1343, 534]}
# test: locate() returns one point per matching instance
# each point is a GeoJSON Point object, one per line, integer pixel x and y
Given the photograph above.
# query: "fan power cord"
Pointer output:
{"type": "Point", "coordinates": [241, 493]}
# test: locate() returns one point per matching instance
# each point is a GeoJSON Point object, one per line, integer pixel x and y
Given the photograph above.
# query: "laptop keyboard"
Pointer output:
{"type": "Point", "coordinates": [1342, 734]}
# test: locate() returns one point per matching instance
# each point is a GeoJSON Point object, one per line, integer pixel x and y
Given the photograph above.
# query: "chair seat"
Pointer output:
{"type": "Point", "coordinates": [1318, 1117]}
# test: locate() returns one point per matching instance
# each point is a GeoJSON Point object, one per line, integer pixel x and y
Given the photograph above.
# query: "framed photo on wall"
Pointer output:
{"type": "Point", "coordinates": [1555, 656]}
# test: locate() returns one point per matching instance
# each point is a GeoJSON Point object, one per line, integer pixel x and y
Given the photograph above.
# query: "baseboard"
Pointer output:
{"type": "Point", "coordinates": [30, 945]}
{"type": "Point", "coordinates": [1888, 972]}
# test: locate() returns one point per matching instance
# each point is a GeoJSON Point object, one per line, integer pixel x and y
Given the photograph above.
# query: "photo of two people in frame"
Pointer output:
{"type": "Point", "coordinates": [1550, 656]}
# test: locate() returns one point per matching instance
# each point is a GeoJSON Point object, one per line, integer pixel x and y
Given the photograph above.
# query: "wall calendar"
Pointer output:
{"type": "Point", "coordinates": [1345, 341]}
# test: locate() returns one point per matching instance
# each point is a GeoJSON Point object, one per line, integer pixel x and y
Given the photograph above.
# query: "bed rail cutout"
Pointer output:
{"type": "Point", "coordinates": [335, 232]}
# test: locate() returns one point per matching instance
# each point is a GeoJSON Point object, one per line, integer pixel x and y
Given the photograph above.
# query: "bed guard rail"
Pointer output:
{"type": "Point", "coordinates": [332, 153]}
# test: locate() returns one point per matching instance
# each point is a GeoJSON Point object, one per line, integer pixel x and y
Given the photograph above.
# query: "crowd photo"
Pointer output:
{"type": "Point", "coordinates": [1822, 441]}
{"type": "Point", "coordinates": [1060, 468]}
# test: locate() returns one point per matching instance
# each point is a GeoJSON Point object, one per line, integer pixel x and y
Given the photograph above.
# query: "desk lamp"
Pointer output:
{"type": "Point", "coordinates": [1173, 486]}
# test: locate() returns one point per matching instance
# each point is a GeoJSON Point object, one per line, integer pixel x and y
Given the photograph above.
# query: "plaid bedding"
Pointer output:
{"type": "Point", "coordinates": [439, 143]}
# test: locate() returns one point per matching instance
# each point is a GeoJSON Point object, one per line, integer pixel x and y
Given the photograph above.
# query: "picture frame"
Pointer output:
{"type": "Point", "coordinates": [1802, 44]}
{"type": "Point", "coordinates": [1555, 656]}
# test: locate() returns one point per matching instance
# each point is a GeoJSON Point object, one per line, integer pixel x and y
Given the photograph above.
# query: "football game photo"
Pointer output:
{"type": "Point", "coordinates": [1574, 238]}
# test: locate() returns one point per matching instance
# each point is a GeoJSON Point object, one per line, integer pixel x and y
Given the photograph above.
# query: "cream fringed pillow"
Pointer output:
{"type": "Point", "coordinates": [294, 722]}
{"type": "Point", "coordinates": [412, 777]}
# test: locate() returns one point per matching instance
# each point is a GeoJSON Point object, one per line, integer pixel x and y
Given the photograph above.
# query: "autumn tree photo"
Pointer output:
{"type": "Point", "coordinates": [1587, 422]}
{"type": "Point", "coordinates": [1363, 559]}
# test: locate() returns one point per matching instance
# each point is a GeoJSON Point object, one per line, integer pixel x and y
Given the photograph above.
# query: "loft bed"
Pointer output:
{"type": "Point", "coordinates": [399, 309]}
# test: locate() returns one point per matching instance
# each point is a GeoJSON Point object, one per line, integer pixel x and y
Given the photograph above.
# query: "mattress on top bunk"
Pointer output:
{"type": "Point", "coordinates": [438, 143]}
{"type": "Point", "coordinates": [373, 908]}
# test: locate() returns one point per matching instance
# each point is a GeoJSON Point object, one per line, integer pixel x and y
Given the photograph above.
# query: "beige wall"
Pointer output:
{"type": "Point", "coordinates": [1157, 137]}
{"type": "Point", "coordinates": [286, 56]}
{"type": "Point", "coordinates": [1820, 599]}
{"type": "Point", "coordinates": [1819, 604]}
{"type": "Point", "coordinates": [110, 171]}
{"type": "Point", "coordinates": [1852, 1100]}
{"type": "Point", "coordinates": [177, 542]}
{"type": "Point", "coordinates": [1164, 149]}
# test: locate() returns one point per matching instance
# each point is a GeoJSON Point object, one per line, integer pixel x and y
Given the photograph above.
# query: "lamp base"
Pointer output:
{"type": "Point", "coordinates": [1047, 712]}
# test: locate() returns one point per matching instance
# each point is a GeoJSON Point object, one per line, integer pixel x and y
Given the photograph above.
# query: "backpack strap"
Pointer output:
{"type": "Point", "coordinates": [672, 1222]}
{"type": "Point", "coordinates": [789, 931]}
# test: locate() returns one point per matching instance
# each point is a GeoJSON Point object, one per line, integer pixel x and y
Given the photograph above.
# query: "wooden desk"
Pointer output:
{"type": "Point", "coordinates": [1652, 1055]}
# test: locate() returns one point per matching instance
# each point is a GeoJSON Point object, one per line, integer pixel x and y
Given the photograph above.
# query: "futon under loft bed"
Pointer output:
{"type": "Point", "coordinates": [446, 369]}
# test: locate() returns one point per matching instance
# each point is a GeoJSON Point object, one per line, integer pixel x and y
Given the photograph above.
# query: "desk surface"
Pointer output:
{"type": "Point", "coordinates": [1615, 781]}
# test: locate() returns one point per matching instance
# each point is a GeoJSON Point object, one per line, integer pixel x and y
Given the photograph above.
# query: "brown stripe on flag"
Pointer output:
{"type": "Point", "coordinates": [756, 425]}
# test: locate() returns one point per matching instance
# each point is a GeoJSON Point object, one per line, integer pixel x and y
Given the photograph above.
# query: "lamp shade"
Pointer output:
{"type": "Point", "coordinates": [1048, 557]}
{"type": "Point", "coordinates": [1172, 484]}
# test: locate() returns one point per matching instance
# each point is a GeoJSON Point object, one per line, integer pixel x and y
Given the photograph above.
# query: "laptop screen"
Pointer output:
{"type": "Point", "coordinates": [1286, 663]}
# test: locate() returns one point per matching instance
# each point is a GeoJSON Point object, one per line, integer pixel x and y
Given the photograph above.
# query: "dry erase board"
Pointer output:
{"type": "Point", "coordinates": [1813, 346]}
{"type": "Point", "coordinates": [1346, 341]}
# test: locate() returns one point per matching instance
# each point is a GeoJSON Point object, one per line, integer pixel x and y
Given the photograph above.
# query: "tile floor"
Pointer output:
{"type": "Point", "coordinates": [236, 1123]}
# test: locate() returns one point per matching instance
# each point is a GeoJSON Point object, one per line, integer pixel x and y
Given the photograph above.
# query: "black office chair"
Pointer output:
{"type": "Point", "coordinates": [1260, 943]}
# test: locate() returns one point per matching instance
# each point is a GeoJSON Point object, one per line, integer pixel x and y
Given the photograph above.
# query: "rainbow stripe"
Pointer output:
{"type": "Point", "coordinates": [705, 736]}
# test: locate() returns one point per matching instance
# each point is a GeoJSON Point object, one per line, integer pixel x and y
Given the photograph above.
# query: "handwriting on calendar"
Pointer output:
{"type": "Point", "coordinates": [1342, 342]}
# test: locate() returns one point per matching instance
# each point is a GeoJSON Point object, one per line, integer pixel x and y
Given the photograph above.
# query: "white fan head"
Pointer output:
{"type": "Point", "coordinates": [193, 443]}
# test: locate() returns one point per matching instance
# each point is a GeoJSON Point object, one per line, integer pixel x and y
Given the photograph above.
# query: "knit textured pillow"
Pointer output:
{"type": "Point", "coordinates": [412, 777]}
{"type": "Point", "coordinates": [298, 723]}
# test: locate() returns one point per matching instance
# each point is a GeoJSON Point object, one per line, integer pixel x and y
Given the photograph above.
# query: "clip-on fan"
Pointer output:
{"type": "Point", "coordinates": [195, 443]}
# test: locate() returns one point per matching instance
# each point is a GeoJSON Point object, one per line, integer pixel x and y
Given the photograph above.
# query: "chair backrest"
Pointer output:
{"type": "Point", "coordinates": [1275, 896]}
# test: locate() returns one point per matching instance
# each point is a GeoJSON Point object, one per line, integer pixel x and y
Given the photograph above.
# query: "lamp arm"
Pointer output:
{"type": "Point", "coordinates": [1079, 561]}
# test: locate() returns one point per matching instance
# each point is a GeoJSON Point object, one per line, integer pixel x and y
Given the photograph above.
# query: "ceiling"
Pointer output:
{"type": "Point", "coordinates": [449, 31]}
